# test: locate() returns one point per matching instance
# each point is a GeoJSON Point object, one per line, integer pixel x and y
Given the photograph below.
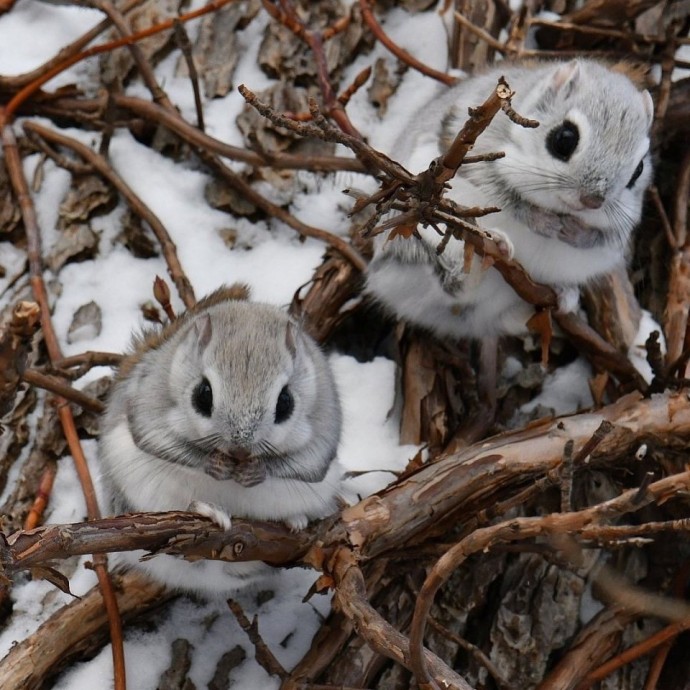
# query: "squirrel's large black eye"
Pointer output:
{"type": "Point", "coordinates": [562, 141]}
{"type": "Point", "coordinates": [285, 405]}
{"type": "Point", "coordinates": [202, 397]}
{"type": "Point", "coordinates": [636, 174]}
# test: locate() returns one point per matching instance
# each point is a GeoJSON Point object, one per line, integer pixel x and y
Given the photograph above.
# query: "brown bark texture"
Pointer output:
{"type": "Point", "coordinates": [531, 558]}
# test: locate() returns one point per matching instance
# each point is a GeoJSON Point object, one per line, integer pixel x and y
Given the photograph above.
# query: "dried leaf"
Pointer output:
{"type": "Point", "coordinates": [117, 64]}
{"type": "Point", "coordinates": [402, 230]}
{"type": "Point", "coordinates": [324, 583]}
{"type": "Point", "coordinates": [413, 465]}
{"type": "Point", "coordinates": [219, 195]}
{"type": "Point", "coordinates": [229, 236]}
{"type": "Point", "coordinates": [88, 196]}
{"type": "Point", "coordinates": [86, 323]}
{"type": "Point", "coordinates": [87, 421]}
{"type": "Point", "coordinates": [136, 237]}
{"type": "Point", "coordinates": [263, 134]}
{"type": "Point", "coordinates": [10, 213]}
{"type": "Point", "coordinates": [54, 577]}
{"type": "Point", "coordinates": [597, 387]}
{"type": "Point", "coordinates": [77, 243]}
{"type": "Point", "coordinates": [284, 56]}
{"type": "Point", "coordinates": [217, 48]}
{"type": "Point", "coordinates": [541, 324]}
{"type": "Point", "coordinates": [170, 145]}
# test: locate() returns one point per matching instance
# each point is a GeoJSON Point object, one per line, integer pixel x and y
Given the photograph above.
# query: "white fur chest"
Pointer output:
{"type": "Point", "coordinates": [151, 484]}
{"type": "Point", "coordinates": [148, 483]}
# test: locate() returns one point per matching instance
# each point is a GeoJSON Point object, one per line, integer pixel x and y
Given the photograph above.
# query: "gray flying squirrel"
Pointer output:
{"type": "Point", "coordinates": [229, 410]}
{"type": "Point", "coordinates": [570, 193]}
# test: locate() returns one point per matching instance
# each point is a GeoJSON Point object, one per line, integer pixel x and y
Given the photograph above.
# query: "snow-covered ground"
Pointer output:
{"type": "Point", "coordinates": [274, 265]}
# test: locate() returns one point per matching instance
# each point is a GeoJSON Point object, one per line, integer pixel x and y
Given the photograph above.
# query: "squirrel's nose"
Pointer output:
{"type": "Point", "coordinates": [592, 200]}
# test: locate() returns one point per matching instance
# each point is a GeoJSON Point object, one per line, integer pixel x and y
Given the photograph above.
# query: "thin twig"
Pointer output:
{"type": "Point", "coordinates": [76, 366]}
{"type": "Point", "coordinates": [351, 598]}
{"type": "Point", "coordinates": [71, 49]}
{"type": "Point", "coordinates": [483, 35]}
{"type": "Point", "coordinates": [332, 106]}
{"type": "Point", "coordinates": [75, 167]}
{"type": "Point", "coordinates": [36, 378]}
{"type": "Point", "coordinates": [566, 473]}
{"type": "Point", "coordinates": [603, 430]}
{"type": "Point", "coordinates": [519, 529]}
{"type": "Point", "coordinates": [633, 37]}
{"type": "Point", "coordinates": [653, 192]}
{"type": "Point", "coordinates": [678, 299]}
{"type": "Point", "coordinates": [21, 190]}
{"type": "Point", "coordinates": [668, 64]}
{"type": "Point", "coordinates": [680, 206]}
{"type": "Point", "coordinates": [249, 193]}
{"type": "Point", "coordinates": [195, 137]}
{"type": "Point", "coordinates": [90, 358]}
{"type": "Point", "coordinates": [479, 119]}
{"type": "Point", "coordinates": [399, 52]}
{"type": "Point", "coordinates": [186, 47]}
{"type": "Point", "coordinates": [264, 656]}
{"type": "Point", "coordinates": [657, 664]}
{"type": "Point", "coordinates": [357, 83]}
{"type": "Point", "coordinates": [43, 492]}
{"type": "Point", "coordinates": [635, 652]}
{"type": "Point", "coordinates": [102, 166]}
{"type": "Point", "coordinates": [109, 123]}
{"type": "Point", "coordinates": [477, 653]}
{"type": "Point", "coordinates": [32, 87]}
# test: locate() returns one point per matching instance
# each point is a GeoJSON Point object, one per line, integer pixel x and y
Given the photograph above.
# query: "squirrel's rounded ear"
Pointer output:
{"type": "Point", "coordinates": [565, 78]}
{"type": "Point", "coordinates": [203, 330]}
{"type": "Point", "coordinates": [291, 338]}
{"type": "Point", "coordinates": [562, 83]}
{"type": "Point", "coordinates": [648, 107]}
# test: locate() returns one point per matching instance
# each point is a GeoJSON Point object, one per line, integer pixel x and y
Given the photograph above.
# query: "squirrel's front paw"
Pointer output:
{"type": "Point", "coordinates": [297, 523]}
{"type": "Point", "coordinates": [213, 512]}
{"type": "Point", "coordinates": [503, 242]}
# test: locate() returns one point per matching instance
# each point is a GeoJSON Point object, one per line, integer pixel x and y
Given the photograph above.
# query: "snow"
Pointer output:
{"type": "Point", "coordinates": [566, 390]}
{"type": "Point", "coordinates": [275, 266]}
{"type": "Point", "coordinates": [56, 26]}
